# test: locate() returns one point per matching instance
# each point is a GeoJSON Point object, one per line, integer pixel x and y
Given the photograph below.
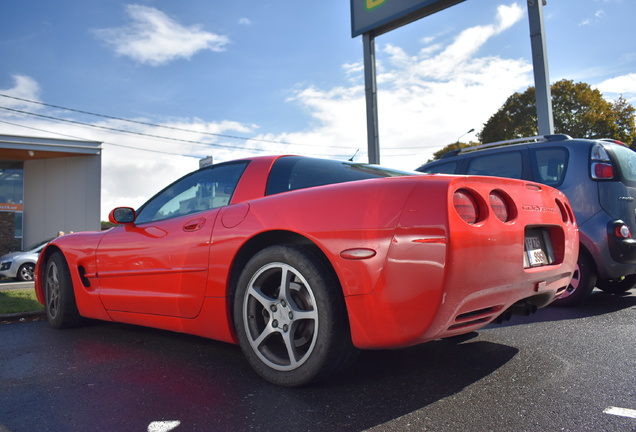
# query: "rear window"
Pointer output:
{"type": "Point", "coordinates": [508, 164]}
{"type": "Point", "coordinates": [295, 172]}
{"type": "Point", "coordinates": [550, 165]}
{"type": "Point", "coordinates": [626, 158]}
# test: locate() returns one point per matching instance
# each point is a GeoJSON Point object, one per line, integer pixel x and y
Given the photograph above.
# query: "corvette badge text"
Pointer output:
{"type": "Point", "coordinates": [538, 208]}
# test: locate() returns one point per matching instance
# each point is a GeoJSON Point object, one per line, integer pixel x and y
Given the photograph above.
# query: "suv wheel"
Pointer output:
{"type": "Point", "coordinates": [582, 283]}
{"type": "Point", "coordinates": [617, 286]}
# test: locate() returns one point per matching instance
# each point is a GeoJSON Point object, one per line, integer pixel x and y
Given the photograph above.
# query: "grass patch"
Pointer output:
{"type": "Point", "coordinates": [20, 300]}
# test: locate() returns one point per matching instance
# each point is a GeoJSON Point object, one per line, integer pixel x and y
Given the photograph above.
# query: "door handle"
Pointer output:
{"type": "Point", "coordinates": [194, 225]}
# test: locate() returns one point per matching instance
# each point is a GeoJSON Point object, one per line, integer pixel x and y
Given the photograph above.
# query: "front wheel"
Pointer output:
{"type": "Point", "coordinates": [290, 317]}
{"type": "Point", "coordinates": [25, 272]}
{"type": "Point", "coordinates": [61, 310]}
{"type": "Point", "coordinates": [617, 286]}
{"type": "Point", "coordinates": [582, 283]}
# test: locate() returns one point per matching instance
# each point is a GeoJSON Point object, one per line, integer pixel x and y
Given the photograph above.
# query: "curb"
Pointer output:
{"type": "Point", "coordinates": [22, 315]}
{"type": "Point", "coordinates": [8, 286]}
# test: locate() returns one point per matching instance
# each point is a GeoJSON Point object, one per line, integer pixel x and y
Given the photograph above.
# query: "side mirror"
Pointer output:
{"type": "Point", "coordinates": [122, 215]}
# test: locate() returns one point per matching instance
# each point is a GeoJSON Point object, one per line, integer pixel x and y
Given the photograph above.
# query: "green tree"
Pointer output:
{"type": "Point", "coordinates": [449, 148]}
{"type": "Point", "coordinates": [578, 110]}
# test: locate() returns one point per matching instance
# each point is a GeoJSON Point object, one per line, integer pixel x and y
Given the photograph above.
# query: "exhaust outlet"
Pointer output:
{"type": "Point", "coordinates": [523, 308]}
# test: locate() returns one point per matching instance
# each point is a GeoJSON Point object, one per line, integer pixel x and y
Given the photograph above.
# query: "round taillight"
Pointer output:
{"type": "Point", "coordinates": [466, 206]}
{"type": "Point", "coordinates": [622, 231]}
{"type": "Point", "coordinates": [565, 216]}
{"type": "Point", "coordinates": [499, 206]}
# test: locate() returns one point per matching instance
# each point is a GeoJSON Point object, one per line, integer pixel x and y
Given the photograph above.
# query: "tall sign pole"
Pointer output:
{"type": "Point", "coordinates": [371, 18]}
{"type": "Point", "coordinates": [542, 91]}
{"type": "Point", "coordinates": [371, 93]}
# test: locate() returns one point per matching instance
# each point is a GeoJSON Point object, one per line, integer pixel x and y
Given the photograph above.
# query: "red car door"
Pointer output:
{"type": "Point", "coordinates": [158, 263]}
{"type": "Point", "coordinates": [157, 268]}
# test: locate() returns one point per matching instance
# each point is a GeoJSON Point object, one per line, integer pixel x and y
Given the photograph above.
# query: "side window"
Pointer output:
{"type": "Point", "coordinates": [446, 168]}
{"type": "Point", "coordinates": [508, 164]}
{"type": "Point", "coordinates": [550, 165]}
{"type": "Point", "coordinates": [202, 190]}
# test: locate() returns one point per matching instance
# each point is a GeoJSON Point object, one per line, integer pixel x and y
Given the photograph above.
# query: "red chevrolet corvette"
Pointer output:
{"type": "Point", "coordinates": [303, 261]}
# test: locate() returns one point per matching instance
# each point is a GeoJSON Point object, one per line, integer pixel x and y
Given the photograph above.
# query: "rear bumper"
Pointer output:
{"type": "Point", "coordinates": [428, 317]}
{"type": "Point", "coordinates": [622, 250]}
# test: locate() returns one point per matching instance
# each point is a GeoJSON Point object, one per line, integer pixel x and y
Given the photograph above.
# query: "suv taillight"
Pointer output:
{"type": "Point", "coordinates": [622, 231]}
{"type": "Point", "coordinates": [600, 164]}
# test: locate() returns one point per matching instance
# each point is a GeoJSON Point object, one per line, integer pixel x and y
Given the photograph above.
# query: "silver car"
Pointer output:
{"type": "Point", "coordinates": [599, 178]}
{"type": "Point", "coordinates": [20, 265]}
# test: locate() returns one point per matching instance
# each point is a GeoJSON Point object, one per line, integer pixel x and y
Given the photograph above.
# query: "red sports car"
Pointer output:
{"type": "Point", "coordinates": [304, 261]}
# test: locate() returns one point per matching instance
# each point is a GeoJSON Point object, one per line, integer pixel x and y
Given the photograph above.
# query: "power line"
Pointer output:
{"type": "Point", "coordinates": [126, 131]}
{"type": "Point", "coordinates": [140, 122]}
{"type": "Point", "coordinates": [104, 142]}
{"type": "Point", "coordinates": [158, 125]}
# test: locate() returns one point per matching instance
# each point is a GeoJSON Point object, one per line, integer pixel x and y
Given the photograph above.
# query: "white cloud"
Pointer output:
{"type": "Point", "coordinates": [245, 21]}
{"type": "Point", "coordinates": [624, 85]}
{"type": "Point", "coordinates": [620, 84]}
{"type": "Point", "coordinates": [598, 15]}
{"type": "Point", "coordinates": [25, 88]}
{"type": "Point", "coordinates": [155, 39]}
{"type": "Point", "coordinates": [425, 101]}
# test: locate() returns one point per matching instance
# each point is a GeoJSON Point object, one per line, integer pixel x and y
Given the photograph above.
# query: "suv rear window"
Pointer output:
{"type": "Point", "coordinates": [627, 160]}
{"type": "Point", "coordinates": [550, 165]}
{"type": "Point", "coordinates": [507, 164]}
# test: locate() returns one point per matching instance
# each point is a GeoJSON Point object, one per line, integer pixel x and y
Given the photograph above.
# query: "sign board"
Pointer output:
{"type": "Point", "coordinates": [382, 16]}
{"type": "Point", "coordinates": [205, 162]}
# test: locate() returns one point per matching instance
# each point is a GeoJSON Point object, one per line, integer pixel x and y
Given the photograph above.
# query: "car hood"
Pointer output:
{"type": "Point", "coordinates": [11, 255]}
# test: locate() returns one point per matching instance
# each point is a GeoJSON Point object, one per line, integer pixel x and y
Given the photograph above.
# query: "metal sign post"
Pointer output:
{"type": "Point", "coordinates": [542, 91]}
{"type": "Point", "coordinates": [371, 18]}
{"type": "Point", "coordinates": [371, 92]}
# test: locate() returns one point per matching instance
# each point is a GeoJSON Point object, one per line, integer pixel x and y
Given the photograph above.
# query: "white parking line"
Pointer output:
{"type": "Point", "coordinates": [622, 412]}
{"type": "Point", "coordinates": [163, 426]}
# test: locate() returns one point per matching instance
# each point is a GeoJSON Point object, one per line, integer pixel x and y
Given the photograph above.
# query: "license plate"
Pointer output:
{"type": "Point", "coordinates": [536, 252]}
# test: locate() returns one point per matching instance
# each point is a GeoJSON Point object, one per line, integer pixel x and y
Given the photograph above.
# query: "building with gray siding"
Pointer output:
{"type": "Point", "coordinates": [47, 186]}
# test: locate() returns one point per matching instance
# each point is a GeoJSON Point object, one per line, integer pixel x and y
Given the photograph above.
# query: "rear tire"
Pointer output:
{"type": "Point", "coordinates": [290, 317]}
{"type": "Point", "coordinates": [617, 286]}
{"type": "Point", "coordinates": [582, 283]}
{"type": "Point", "coordinates": [61, 309]}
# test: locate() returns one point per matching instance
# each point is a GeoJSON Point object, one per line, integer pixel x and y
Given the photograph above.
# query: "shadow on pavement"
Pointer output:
{"type": "Point", "coordinates": [115, 377]}
{"type": "Point", "coordinates": [598, 303]}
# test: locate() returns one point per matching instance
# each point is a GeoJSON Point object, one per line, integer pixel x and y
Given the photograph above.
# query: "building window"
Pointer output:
{"type": "Point", "coordinates": [11, 200]}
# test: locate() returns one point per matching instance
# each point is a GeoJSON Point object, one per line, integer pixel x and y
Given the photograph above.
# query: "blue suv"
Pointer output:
{"type": "Point", "coordinates": [599, 178]}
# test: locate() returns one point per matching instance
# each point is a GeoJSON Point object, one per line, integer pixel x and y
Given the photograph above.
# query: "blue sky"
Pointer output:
{"type": "Point", "coordinates": [248, 77]}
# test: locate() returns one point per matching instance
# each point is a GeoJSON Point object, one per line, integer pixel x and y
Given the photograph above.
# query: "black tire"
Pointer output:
{"type": "Point", "coordinates": [617, 286]}
{"type": "Point", "coordinates": [582, 284]}
{"type": "Point", "coordinates": [295, 335]}
{"type": "Point", "coordinates": [61, 309]}
{"type": "Point", "coordinates": [25, 272]}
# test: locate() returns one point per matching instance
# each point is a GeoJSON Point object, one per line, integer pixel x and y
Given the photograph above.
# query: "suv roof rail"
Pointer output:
{"type": "Point", "coordinates": [529, 140]}
{"type": "Point", "coordinates": [612, 140]}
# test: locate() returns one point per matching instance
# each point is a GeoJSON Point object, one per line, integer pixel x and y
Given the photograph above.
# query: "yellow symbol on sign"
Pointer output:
{"type": "Point", "coordinates": [373, 3]}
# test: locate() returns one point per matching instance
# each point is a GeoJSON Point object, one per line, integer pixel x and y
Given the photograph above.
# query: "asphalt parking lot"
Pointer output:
{"type": "Point", "coordinates": [562, 369]}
